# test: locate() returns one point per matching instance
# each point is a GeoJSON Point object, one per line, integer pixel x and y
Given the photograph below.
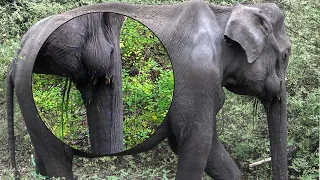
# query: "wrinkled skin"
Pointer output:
{"type": "Point", "coordinates": [242, 48]}
{"type": "Point", "coordinates": [86, 49]}
{"type": "Point", "coordinates": [93, 40]}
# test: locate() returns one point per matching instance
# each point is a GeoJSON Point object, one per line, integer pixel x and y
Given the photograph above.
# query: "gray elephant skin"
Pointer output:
{"type": "Point", "coordinates": [244, 48]}
{"type": "Point", "coordinates": [86, 49]}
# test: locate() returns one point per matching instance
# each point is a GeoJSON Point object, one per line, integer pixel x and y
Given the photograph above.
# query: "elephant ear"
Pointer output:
{"type": "Point", "coordinates": [248, 27]}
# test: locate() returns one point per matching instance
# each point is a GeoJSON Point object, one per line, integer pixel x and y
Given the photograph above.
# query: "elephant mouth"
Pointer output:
{"type": "Point", "coordinates": [253, 90]}
{"type": "Point", "coordinates": [263, 94]}
{"type": "Point", "coordinates": [273, 94]}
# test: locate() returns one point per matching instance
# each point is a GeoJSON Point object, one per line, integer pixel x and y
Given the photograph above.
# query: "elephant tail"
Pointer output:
{"type": "Point", "coordinates": [10, 119]}
{"type": "Point", "coordinates": [161, 133]}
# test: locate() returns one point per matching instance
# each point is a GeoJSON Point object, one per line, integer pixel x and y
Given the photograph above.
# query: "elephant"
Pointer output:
{"type": "Point", "coordinates": [243, 48]}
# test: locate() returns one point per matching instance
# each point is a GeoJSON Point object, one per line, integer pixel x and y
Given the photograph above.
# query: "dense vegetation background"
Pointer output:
{"type": "Point", "coordinates": [147, 87]}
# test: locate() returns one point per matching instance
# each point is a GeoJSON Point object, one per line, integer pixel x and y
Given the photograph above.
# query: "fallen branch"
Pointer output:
{"type": "Point", "coordinates": [290, 150]}
{"type": "Point", "coordinates": [252, 165]}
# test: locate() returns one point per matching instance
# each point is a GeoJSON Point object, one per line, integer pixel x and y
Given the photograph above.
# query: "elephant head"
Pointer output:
{"type": "Point", "coordinates": [261, 49]}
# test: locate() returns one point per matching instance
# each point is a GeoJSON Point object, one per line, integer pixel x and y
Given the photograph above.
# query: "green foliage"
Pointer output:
{"type": "Point", "coordinates": [65, 118]}
{"type": "Point", "coordinates": [147, 82]}
{"type": "Point", "coordinates": [7, 52]}
{"type": "Point", "coordinates": [303, 79]}
{"type": "Point", "coordinates": [146, 102]}
{"type": "Point", "coordinates": [18, 18]}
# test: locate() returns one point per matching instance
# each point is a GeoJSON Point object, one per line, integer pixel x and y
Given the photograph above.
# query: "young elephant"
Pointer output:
{"type": "Point", "coordinates": [242, 48]}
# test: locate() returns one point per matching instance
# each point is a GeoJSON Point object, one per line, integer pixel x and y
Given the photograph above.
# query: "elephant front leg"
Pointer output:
{"type": "Point", "coordinates": [220, 165]}
{"type": "Point", "coordinates": [194, 144]}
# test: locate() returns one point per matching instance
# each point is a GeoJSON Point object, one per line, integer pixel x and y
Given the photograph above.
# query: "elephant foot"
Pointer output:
{"type": "Point", "coordinates": [223, 174]}
{"type": "Point", "coordinates": [57, 163]}
{"type": "Point", "coordinates": [53, 170]}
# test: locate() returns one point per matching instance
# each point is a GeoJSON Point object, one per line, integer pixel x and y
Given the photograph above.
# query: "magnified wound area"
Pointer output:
{"type": "Point", "coordinates": [86, 50]}
{"type": "Point", "coordinates": [147, 87]}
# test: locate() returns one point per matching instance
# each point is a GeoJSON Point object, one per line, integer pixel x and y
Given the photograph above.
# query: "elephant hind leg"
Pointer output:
{"type": "Point", "coordinates": [56, 163]}
{"type": "Point", "coordinates": [172, 140]}
{"type": "Point", "coordinates": [40, 167]}
{"type": "Point", "coordinates": [220, 165]}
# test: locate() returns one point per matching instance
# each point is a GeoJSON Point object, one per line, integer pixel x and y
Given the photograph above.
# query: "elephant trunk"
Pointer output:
{"type": "Point", "coordinates": [277, 123]}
